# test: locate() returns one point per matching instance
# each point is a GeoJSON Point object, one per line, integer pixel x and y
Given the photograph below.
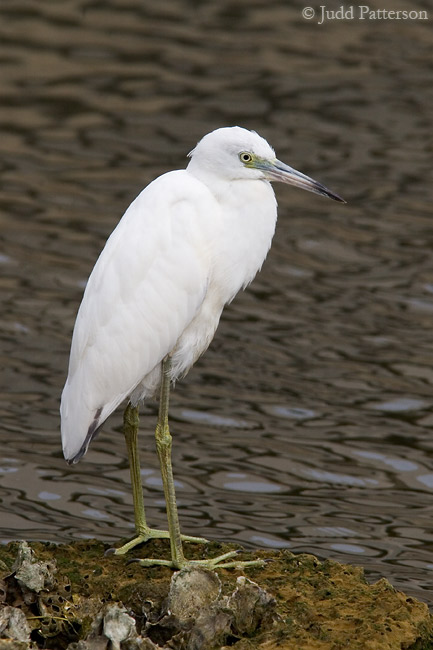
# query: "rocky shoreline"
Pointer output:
{"type": "Point", "coordinates": [73, 597]}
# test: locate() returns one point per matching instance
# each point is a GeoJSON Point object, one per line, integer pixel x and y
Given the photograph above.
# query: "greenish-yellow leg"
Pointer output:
{"type": "Point", "coordinates": [163, 446]}
{"type": "Point", "coordinates": [143, 532]}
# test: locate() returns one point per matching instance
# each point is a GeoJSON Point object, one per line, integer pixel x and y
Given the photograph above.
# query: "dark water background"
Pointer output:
{"type": "Point", "coordinates": [308, 422]}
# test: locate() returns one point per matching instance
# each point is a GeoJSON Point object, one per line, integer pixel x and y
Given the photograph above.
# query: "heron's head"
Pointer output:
{"type": "Point", "coordinates": [234, 153]}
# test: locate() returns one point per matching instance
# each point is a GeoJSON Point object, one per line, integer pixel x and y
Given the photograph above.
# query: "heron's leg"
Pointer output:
{"type": "Point", "coordinates": [143, 532]}
{"type": "Point", "coordinates": [163, 446]}
{"type": "Point", "coordinates": [131, 419]}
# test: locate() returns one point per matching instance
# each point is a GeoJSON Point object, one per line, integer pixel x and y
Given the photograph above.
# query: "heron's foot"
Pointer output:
{"type": "Point", "coordinates": [147, 535]}
{"type": "Point", "coordinates": [218, 562]}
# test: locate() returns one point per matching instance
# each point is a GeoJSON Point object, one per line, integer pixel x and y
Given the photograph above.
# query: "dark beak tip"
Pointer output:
{"type": "Point", "coordinates": [333, 196]}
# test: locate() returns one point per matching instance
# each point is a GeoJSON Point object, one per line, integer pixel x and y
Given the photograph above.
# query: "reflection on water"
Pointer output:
{"type": "Point", "coordinates": [307, 423]}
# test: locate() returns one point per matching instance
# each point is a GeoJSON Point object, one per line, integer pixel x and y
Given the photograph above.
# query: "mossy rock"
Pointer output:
{"type": "Point", "coordinates": [85, 599]}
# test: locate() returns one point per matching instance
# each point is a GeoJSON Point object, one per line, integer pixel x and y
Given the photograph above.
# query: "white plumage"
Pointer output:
{"type": "Point", "coordinates": [182, 250]}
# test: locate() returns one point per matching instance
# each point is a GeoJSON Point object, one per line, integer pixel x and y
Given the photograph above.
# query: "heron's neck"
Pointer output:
{"type": "Point", "coordinates": [246, 225]}
{"type": "Point", "coordinates": [222, 188]}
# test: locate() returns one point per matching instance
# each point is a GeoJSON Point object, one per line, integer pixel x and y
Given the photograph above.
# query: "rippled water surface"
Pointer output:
{"type": "Point", "coordinates": [307, 424]}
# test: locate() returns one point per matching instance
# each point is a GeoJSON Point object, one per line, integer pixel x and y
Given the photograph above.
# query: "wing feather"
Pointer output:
{"type": "Point", "coordinates": [146, 287]}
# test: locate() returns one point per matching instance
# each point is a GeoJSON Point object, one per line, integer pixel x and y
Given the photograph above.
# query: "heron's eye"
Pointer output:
{"type": "Point", "coordinates": [245, 157]}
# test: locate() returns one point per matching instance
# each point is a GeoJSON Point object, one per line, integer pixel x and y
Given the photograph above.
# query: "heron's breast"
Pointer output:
{"type": "Point", "coordinates": [246, 231]}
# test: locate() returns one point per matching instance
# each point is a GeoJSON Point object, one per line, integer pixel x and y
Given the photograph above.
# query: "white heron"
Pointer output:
{"type": "Point", "coordinates": [184, 248]}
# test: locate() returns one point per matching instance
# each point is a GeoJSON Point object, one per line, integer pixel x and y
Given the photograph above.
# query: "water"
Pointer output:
{"type": "Point", "coordinates": [307, 424]}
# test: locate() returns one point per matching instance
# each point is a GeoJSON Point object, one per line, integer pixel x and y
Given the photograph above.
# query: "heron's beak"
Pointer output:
{"type": "Point", "coordinates": [275, 170]}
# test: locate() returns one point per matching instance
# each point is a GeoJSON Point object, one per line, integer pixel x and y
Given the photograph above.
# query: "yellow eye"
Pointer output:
{"type": "Point", "coordinates": [245, 157]}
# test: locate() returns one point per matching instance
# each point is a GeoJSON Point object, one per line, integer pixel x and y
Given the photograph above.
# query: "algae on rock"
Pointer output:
{"type": "Point", "coordinates": [72, 597]}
